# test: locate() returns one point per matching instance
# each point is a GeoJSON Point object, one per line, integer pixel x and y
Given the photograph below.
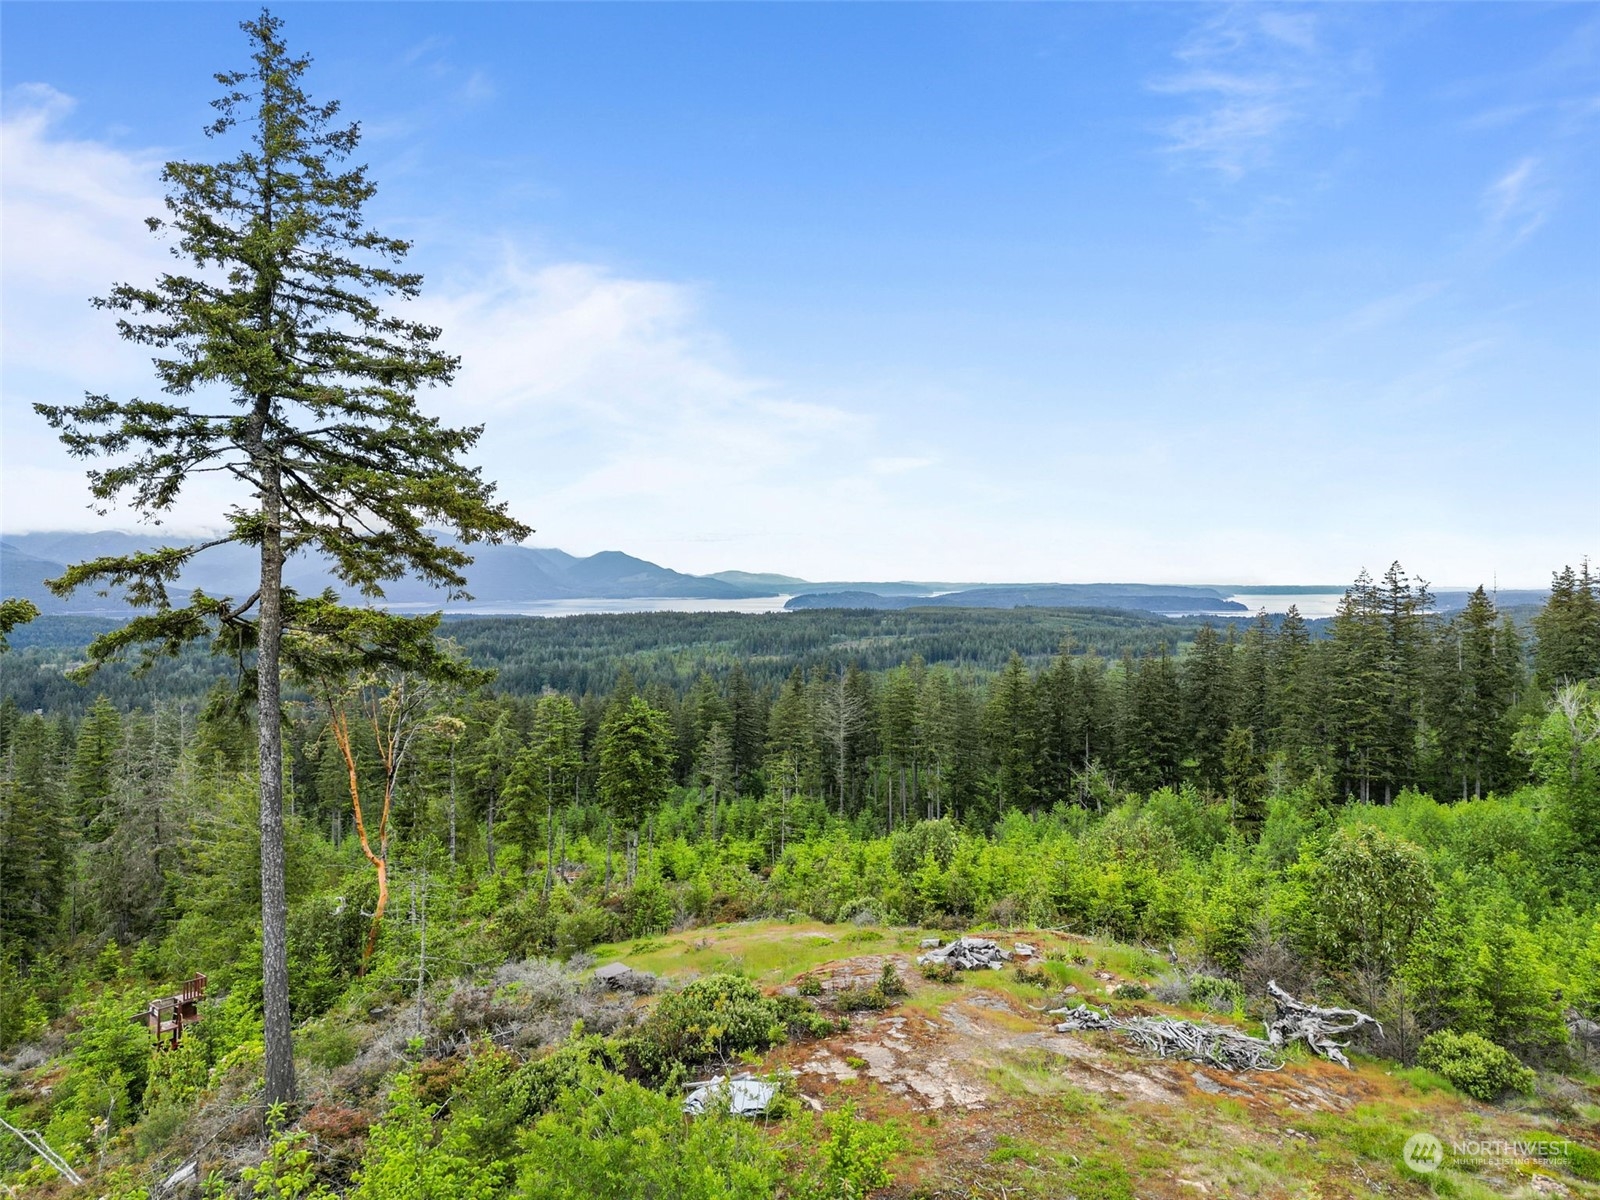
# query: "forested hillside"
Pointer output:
{"type": "Point", "coordinates": [1401, 815]}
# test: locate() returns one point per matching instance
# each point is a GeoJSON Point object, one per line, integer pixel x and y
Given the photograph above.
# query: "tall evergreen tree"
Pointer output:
{"type": "Point", "coordinates": [1252, 682]}
{"type": "Point", "coordinates": [1480, 671]}
{"type": "Point", "coordinates": [1060, 716]}
{"type": "Point", "coordinates": [747, 727]}
{"type": "Point", "coordinates": [635, 753]}
{"type": "Point", "coordinates": [36, 838]}
{"type": "Point", "coordinates": [93, 773]}
{"type": "Point", "coordinates": [1568, 630]}
{"type": "Point", "coordinates": [1010, 728]}
{"type": "Point", "coordinates": [308, 400]}
{"type": "Point", "coordinates": [1408, 626]}
{"type": "Point", "coordinates": [1358, 713]}
{"type": "Point", "coordinates": [1150, 730]}
{"type": "Point", "coordinates": [1207, 701]}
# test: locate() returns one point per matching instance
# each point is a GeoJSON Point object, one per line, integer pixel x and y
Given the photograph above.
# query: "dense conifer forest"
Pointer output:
{"type": "Point", "coordinates": [1398, 811]}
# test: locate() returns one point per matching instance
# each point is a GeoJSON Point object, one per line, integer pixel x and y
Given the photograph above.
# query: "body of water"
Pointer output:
{"type": "Point", "coordinates": [1310, 604]}
{"type": "Point", "coordinates": [572, 608]}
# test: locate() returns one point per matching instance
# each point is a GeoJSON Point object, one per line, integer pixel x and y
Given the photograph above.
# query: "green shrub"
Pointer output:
{"type": "Point", "coordinates": [854, 1159]}
{"type": "Point", "coordinates": [407, 1159]}
{"type": "Point", "coordinates": [1030, 972]}
{"type": "Point", "coordinates": [716, 1016]}
{"type": "Point", "coordinates": [21, 1014]}
{"type": "Point", "coordinates": [609, 1136]}
{"type": "Point", "coordinates": [328, 1046]}
{"type": "Point", "coordinates": [527, 928]}
{"type": "Point", "coordinates": [938, 972]}
{"type": "Point", "coordinates": [287, 1172]}
{"type": "Point", "coordinates": [1474, 1064]}
{"type": "Point", "coordinates": [584, 927]}
{"type": "Point", "coordinates": [648, 908]}
{"type": "Point", "coordinates": [803, 1021]}
{"type": "Point", "coordinates": [1219, 995]}
{"type": "Point", "coordinates": [1130, 991]}
{"type": "Point", "coordinates": [535, 1087]}
{"type": "Point", "coordinates": [861, 999]}
{"type": "Point", "coordinates": [890, 983]}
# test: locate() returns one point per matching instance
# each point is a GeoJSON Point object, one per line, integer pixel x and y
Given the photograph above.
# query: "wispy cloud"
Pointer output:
{"type": "Point", "coordinates": [1251, 77]}
{"type": "Point", "coordinates": [900, 465]}
{"type": "Point", "coordinates": [616, 412]}
{"type": "Point", "coordinates": [1516, 204]}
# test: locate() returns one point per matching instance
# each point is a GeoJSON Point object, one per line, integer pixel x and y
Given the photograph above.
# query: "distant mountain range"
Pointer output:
{"type": "Point", "coordinates": [499, 574]}
{"type": "Point", "coordinates": [525, 575]}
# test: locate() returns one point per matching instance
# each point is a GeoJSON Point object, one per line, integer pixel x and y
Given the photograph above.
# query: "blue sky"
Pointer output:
{"type": "Point", "coordinates": [961, 291]}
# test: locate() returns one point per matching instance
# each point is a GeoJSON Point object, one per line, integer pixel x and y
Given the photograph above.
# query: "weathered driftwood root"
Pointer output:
{"type": "Point", "coordinates": [1220, 1046]}
{"type": "Point", "coordinates": [1316, 1027]}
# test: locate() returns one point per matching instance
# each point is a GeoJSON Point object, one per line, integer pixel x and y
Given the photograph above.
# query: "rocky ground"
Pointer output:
{"type": "Point", "coordinates": [998, 1104]}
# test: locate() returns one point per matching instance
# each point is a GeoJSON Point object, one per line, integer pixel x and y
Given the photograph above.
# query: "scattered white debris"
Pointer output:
{"type": "Point", "coordinates": [968, 954]}
{"type": "Point", "coordinates": [746, 1096]}
{"type": "Point", "coordinates": [188, 1173]}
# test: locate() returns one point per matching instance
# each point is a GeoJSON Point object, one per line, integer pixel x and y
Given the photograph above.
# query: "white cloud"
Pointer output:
{"type": "Point", "coordinates": [900, 465]}
{"type": "Point", "coordinates": [1252, 76]}
{"type": "Point", "coordinates": [1517, 203]}
{"type": "Point", "coordinates": [616, 416]}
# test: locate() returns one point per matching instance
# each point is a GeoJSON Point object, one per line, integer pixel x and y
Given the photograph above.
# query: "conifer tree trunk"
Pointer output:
{"type": "Point", "coordinates": [549, 829]}
{"type": "Point", "coordinates": [276, 1022]}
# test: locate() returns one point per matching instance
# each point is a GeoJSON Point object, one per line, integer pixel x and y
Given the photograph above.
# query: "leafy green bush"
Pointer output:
{"type": "Point", "coordinates": [910, 848]}
{"type": "Point", "coordinates": [585, 926]}
{"type": "Point", "coordinates": [287, 1172]}
{"type": "Point", "coordinates": [327, 1046]}
{"type": "Point", "coordinates": [1130, 991]}
{"type": "Point", "coordinates": [407, 1160]}
{"type": "Point", "coordinates": [21, 1014]}
{"type": "Point", "coordinates": [608, 1136]}
{"type": "Point", "coordinates": [648, 908]}
{"type": "Point", "coordinates": [860, 999]}
{"type": "Point", "coordinates": [1030, 972]}
{"type": "Point", "coordinates": [1219, 995]}
{"type": "Point", "coordinates": [527, 928]}
{"type": "Point", "coordinates": [854, 1159]}
{"type": "Point", "coordinates": [714, 1017]}
{"type": "Point", "coordinates": [1474, 1064]}
{"type": "Point", "coordinates": [801, 1020]}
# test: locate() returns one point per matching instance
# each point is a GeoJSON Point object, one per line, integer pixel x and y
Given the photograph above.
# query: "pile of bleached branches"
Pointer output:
{"type": "Point", "coordinates": [1166, 1037]}
{"type": "Point", "coordinates": [1227, 1048]}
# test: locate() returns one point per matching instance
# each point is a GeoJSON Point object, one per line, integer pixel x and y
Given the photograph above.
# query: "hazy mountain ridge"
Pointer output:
{"type": "Point", "coordinates": [531, 575]}
{"type": "Point", "coordinates": [498, 573]}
